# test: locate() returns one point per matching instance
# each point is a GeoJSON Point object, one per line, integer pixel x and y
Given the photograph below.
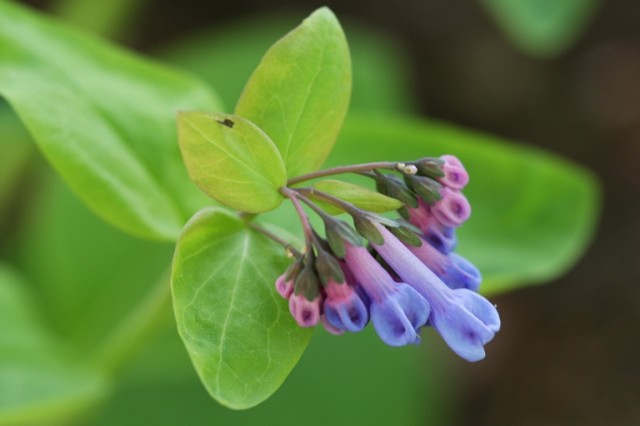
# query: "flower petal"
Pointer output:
{"type": "Point", "coordinates": [461, 273]}
{"type": "Point", "coordinates": [346, 314]}
{"type": "Point", "coordinates": [305, 312]}
{"type": "Point", "coordinates": [480, 307]}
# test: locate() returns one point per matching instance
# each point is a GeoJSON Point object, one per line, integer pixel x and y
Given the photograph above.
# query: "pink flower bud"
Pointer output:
{"type": "Point", "coordinates": [452, 209]}
{"type": "Point", "coordinates": [285, 288]}
{"type": "Point", "coordinates": [455, 175]}
{"type": "Point", "coordinates": [305, 312]}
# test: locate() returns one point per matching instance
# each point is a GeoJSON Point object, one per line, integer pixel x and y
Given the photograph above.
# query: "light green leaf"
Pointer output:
{"type": "Point", "coordinates": [232, 160]}
{"type": "Point", "coordinates": [42, 380]}
{"type": "Point", "coordinates": [299, 94]}
{"type": "Point", "coordinates": [542, 27]}
{"type": "Point", "coordinates": [104, 118]}
{"type": "Point", "coordinates": [533, 213]}
{"type": "Point", "coordinates": [357, 195]}
{"type": "Point", "coordinates": [224, 55]}
{"type": "Point", "coordinates": [237, 329]}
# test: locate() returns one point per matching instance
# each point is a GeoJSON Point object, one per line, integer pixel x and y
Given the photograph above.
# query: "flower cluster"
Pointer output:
{"type": "Point", "coordinates": [407, 277]}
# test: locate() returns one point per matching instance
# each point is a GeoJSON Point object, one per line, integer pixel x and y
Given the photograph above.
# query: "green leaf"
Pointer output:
{"type": "Point", "coordinates": [542, 27]}
{"type": "Point", "coordinates": [357, 195]}
{"type": "Point", "coordinates": [299, 94]}
{"type": "Point", "coordinates": [104, 118]}
{"type": "Point", "coordinates": [232, 160]}
{"type": "Point", "coordinates": [15, 154]}
{"type": "Point", "coordinates": [237, 329]}
{"type": "Point", "coordinates": [92, 276]}
{"type": "Point", "coordinates": [42, 380]}
{"type": "Point", "coordinates": [533, 213]}
{"type": "Point", "coordinates": [225, 54]}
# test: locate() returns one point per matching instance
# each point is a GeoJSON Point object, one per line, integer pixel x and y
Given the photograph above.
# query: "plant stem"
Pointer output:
{"type": "Point", "coordinates": [274, 237]}
{"type": "Point", "coordinates": [356, 168]}
{"type": "Point", "coordinates": [123, 341]}
{"type": "Point", "coordinates": [324, 215]}
{"type": "Point", "coordinates": [304, 219]}
{"type": "Point", "coordinates": [347, 207]}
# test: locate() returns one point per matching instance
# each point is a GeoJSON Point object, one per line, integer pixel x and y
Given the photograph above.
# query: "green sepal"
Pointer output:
{"type": "Point", "coordinates": [337, 232]}
{"type": "Point", "coordinates": [406, 235]}
{"type": "Point", "coordinates": [404, 212]}
{"type": "Point", "coordinates": [427, 188]}
{"type": "Point", "coordinates": [367, 229]}
{"type": "Point", "coordinates": [294, 269]}
{"type": "Point", "coordinates": [328, 268]}
{"type": "Point", "coordinates": [431, 167]}
{"type": "Point", "coordinates": [393, 187]}
{"type": "Point", "coordinates": [307, 281]}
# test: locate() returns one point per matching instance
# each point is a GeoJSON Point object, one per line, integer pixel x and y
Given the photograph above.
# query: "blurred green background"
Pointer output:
{"type": "Point", "coordinates": [566, 80]}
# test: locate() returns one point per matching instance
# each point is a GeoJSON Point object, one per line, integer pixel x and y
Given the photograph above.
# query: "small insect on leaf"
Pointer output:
{"type": "Point", "coordinates": [231, 160]}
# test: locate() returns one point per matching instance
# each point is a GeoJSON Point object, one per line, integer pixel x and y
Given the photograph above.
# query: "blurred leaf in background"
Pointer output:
{"type": "Point", "coordinates": [104, 118]}
{"type": "Point", "coordinates": [41, 377]}
{"type": "Point", "coordinates": [90, 276]}
{"type": "Point", "coordinates": [542, 28]}
{"type": "Point", "coordinates": [16, 151]}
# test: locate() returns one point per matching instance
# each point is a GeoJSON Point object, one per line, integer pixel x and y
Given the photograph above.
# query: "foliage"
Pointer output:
{"type": "Point", "coordinates": [105, 119]}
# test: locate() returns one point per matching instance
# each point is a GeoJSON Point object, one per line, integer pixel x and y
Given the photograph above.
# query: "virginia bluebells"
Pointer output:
{"type": "Point", "coordinates": [397, 310]}
{"type": "Point", "coordinates": [343, 308]}
{"type": "Point", "coordinates": [466, 320]}
{"type": "Point", "coordinates": [408, 277]}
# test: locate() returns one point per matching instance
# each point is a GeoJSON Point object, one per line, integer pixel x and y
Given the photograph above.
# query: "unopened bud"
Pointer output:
{"type": "Point", "coordinates": [455, 176]}
{"type": "Point", "coordinates": [453, 209]}
{"type": "Point", "coordinates": [393, 187]}
{"type": "Point", "coordinates": [305, 311]}
{"type": "Point", "coordinates": [431, 167]}
{"type": "Point", "coordinates": [284, 287]}
{"type": "Point", "coordinates": [427, 188]}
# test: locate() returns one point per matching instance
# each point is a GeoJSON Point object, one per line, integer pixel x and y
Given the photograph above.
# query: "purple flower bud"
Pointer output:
{"type": "Point", "coordinates": [452, 209]}
{"type": "Point", "coordinates": [305, 312]}
{"type": "Point", "coordinates": [464, 319]}
{"type": "Point", "coordinates": [327, 326]}
{"type": "Point", "coordinates": [455, 175]}
{"type": "Point", "coordinates": [397, 311]}
{"type": "Point", "coordinates": [454, 270]}
{"type": "Point", "coordinates": [284, 287]}
{"type": "Point", "coordinates": [441, 237]}
{"type": "Point", "coordinates": [343, 307]}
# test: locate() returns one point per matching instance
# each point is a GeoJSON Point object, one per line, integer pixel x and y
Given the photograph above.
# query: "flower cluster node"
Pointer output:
{"type": "Point", "coordinates": [407, 278]}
